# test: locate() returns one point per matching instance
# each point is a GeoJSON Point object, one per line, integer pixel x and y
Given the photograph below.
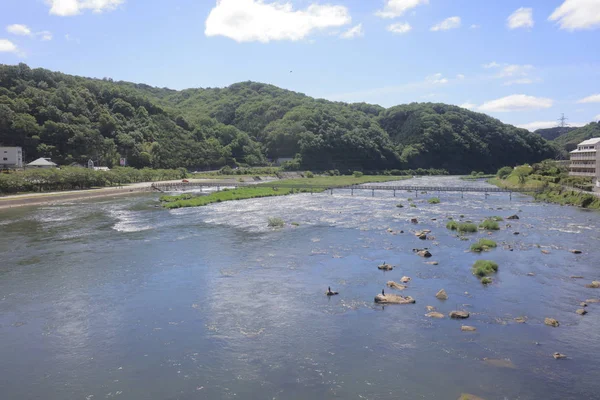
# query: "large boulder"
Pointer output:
{"type": "Point", "coordinates": [434, 314]}
{"type": "Point", "coordinates": [424, 253]}
{"type": "Point", "coordinates": [385, 267]}
{"type": "Point", "coordinates": [558, 356]}
{"type": "Point", "coordinates": [405, 279]}
{"type": "Point", "coordinates": [395, 285]}
{"type": "Point", "coordinates": [594, 285]}
{"type": "Point", "coordinates": [393, 299]}
{"type": "Point", "coordinates": [581, 311]}
{"type": "Point", "coordinates": [551, 322]}
{"type": "Point", "coordinates": [442, 295]}
{"type": "Point", "coordinates": [459, 314]}
{"type": "Point", "coordinates": [513, 217]}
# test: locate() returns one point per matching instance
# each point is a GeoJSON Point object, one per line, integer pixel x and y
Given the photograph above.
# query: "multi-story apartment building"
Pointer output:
{"type": "Point", "coordinates": [585, 160]}
{"type": "Point", "coordinates": [11, 157]}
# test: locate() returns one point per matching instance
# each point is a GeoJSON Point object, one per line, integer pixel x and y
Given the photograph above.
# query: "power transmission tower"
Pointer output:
{"type": "Point", "coordinates": [562, 123]}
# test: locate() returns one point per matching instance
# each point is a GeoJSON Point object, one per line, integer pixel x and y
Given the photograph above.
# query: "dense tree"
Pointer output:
{"type": "Point", "coordinates": [73, 119]}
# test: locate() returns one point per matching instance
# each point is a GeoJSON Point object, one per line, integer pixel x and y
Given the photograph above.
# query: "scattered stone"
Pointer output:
{"type": "Point", "coordinates": [530, 274]}
{"type": "Point", "coordinates": [459, 315]}
{"type": "Point", "coordinates": [430, 308]}
{"type": "Point", "coordinates": [521, 320]}
{"type": "Point", "coordinates": [434, 219]}
{"type": "Point", "coordinates": [583, 304]}
{"type": "Point", "coordinates": [385, 267]}
{"type": "Point", "coordinates": [576, 277]}
{"type": "Point", "coordinates": [422, 236]}
{"type": "Point", "coordinates": [558, 356]}
{"type": "Point", "coordinates": [501, 363]}
{"type": "Point", "coordinates": [395, 285]}
{"type": "Point", "coordinates": [393, 299]}
{"type": "Point", "coordinates": [574, 251]}
{"type": "Point", "coordinates": [545, 252]}
{"type": "Point", "coordinates": [593, 285]}
{"type": "Point", "coordinates": [432, 262]}
{"type": "Point", "coordinates": [466, 328]}
{"type": "Point", "coordinates": [424, 253]}
{"type": "Point", "coordinates": [551, 322]}
{"type": "Point", "coordinates": [592, 301]}
{"type": "Point", "coordinates": [513, 217]}
{"type": "Point", "coordinates": [414, 220]}
{"type": "Point", "coordinates": [468, 396]}
{"type": "Point", "coordinates": [442, 295]}
{"type": "Point", "coordinates": [434, 314]}
{"type": "Point", "coordinates": [330, 292]}
{"type": "Point", "coordinates": [390, 230]}
{"type": "Point", "coordinates": [405, 279]}
{"type": "Point", "coordinates": [516, 233]}
{"type": "Point", "coordinates": [581, 311]}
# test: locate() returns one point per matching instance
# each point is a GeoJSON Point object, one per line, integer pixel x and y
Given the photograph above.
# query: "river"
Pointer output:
{"type": "Point", "coordinates": [120, 299]}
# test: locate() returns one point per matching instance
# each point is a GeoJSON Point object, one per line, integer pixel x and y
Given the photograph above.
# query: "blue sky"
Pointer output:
{"type": "Point", "coordinates": [522, 61]}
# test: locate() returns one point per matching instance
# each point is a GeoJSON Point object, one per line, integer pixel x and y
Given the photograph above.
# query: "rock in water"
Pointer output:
{"type": "Point", "coordinates": [434, 314]}
{"type": "Point", "coordinates": [500, 363]}
{"type": "Point", "coordinates": [581, 311]}
{"type": "Point", "coordinates": [467, 396]}
{"type": "Point", "coordinates": [574, 251]}
{"type": "Point", "coordinates": [513, 217]}
{"type": "Point", "coordinates": [558, 356]}
{"type": "Point", "coordinates": [521, 320]}
{"type": "Point", "coordinates": [395, 285]}
{"type": "Point", "coordinates": [594, 285]}
{"type": "Point", "coordinates": [551, 322]}
{"type": "Point", "coordinates": [459, 314]}
{"type": "Point", "coordinates": [466, 328]}
{"type": "Point", "coordinates": [424, 253]}
{"type": "Point", "coordinates": [545, 252]}
{"type": "Point", "coordinates": [576, 277]}
{"type": "Point", "coordinates": [530, 274]}
{"type": "Point", "coordinates": [405, 279]}
{"type": "Point", "coordinates": [393, 299]}
{"type": "Point", "coordinates": [385, 267]}
{"type": "Point", "coordinates": [422, 236]}
{"type": "Point", "coordinates": [442, 295]}
{"type": "Point", "coordinates": [414, 221]}
{"type": "Point", "coordinates": [430, 308]}
{"type": "Point", "coordinates": [592, 301]}
{"type": "Point", "coordinates": [583, 304]}
{"type": "Point", "coordinates": [432, 262]}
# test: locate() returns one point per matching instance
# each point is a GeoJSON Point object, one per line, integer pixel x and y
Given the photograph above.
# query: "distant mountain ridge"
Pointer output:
{"type": "Point", "coordinates": [553, 133]}
{"type": "Point", "coordinates": [73, 119]}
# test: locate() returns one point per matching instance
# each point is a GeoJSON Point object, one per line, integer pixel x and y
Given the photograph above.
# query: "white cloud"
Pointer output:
{"type": "Point", "coordinates": [256, 20]}
{"type": "Point", "coordinates": [448, 23]}
{"type": "Point", "coordinates": [65, 8]}
{"type": "Point", "coordinates": [436, 79]}
{"type": "Point", "coordinates": [397, 8]}
{"type": "Point", "coordinates": [70, 38]}
{"type": "Point", "coordinates": [516, 102]}
{"type": "Point", "coordinates": [6, 46]}
{"type": "Point", "coordinates": [460, 77]}
{"type": "Point", "coordinates": [577, 14]}
{"type": "Point", "coordinates": [534, 126]}
{"type": "Point", "coordinates": [468, 106]}
{"type": "Point", "coordinates": [493, 64]}
{"type": "Point", "coordinates": [353, 32]}
{"type": "Point", "coordinates": [401, 27]}
{"type": "Point", "coordinates": [18, 29]}
{"type": "Point", "coordinates": [595, 98]}
{"type": "Point", "coordinates": [475, 26]}
{"type": "Point", "coordinates": [523, 81]}
{"type": "Point", "coordinates": [45, 35]}
{"type": "Point", "coordinates": [513, 70]}
{"type": "Point", "coordinates": [597, 117]}
{"type": "Point", "coordinates": [522, 18]}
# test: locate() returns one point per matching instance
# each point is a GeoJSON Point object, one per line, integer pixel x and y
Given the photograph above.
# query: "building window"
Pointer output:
{"type": "Point", "coordinates": [5, 159]}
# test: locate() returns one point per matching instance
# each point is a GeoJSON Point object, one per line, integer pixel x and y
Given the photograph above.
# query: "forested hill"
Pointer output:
{"type": "Point", "coordinates": [73, 119]}
{"type": "Point", "coordinates": [569, 140]}
{"type": "Point", "coordinates": [553, 133]}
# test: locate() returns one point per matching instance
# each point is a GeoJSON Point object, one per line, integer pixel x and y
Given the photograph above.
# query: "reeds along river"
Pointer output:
{"type": "Point", "coordinates": [120, 299]}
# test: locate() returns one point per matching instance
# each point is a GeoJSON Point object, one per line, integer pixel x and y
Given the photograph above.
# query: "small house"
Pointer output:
{"type": "Point", "coordinates": [42, 163]}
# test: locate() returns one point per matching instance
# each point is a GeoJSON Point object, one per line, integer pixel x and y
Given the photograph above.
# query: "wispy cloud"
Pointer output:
{"type": "Point", "coordinates": [516, 102]}
{"type": "Point", "coordinates": [6, 46]}
{"type": "Point", "coordinates": [595, 98]}
{"type": "Point", "coordinates": [447, 24]}
{"type": "Point", "coordinates": [19, 29]}
{"type": "Point", "coordinates": [577, 14]}
{"type": "Point", "coordinates": [534, 126]}
{"type": "Point", "coordinates": [397, 8]}
{"type": "Point", "coordinates": [436, 79]}
{"type": "Point", "coordinates": [522, 18]}
{"type": "Point", "coordinates": [67, 8]}
{"type": "Point", "coordinates": [468, 105]}
{"type": "Point", "coordinates": [354, 32]}
{"type": "Point", "coordinates": [399, 28]}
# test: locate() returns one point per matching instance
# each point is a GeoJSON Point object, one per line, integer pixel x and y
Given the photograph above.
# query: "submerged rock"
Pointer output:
{"type": "Point", "coordinates": [434, 314]}
{"type": "Point", "coordinates": [467, 328]}
{"type": "Point", "coordinates": [545, 252]}
{"type": "Point", "coordinates": [592, 301]}
{"type": "Point", "coordinates": [468, 396]}
{"type": "Point", "coordinates": [424, 253]}
{"type": "Point", "coordinates": [521, 320]}
{"type": "Point", "coordinates": [422, 236]}
{"type": "Point", "coordinates": [442, 295]}
{"type": "Point", "coordinates": [432, 262]}
{"type": "Point", "coordinates": [575, 251]}
{"type": "Point", "coordinates": [583, 304]}
{"type": "Point", "coordinates": [405, 279]}
{"type": "Point", "coordinates": [576, 277]}
{"type": "Point", "coordinates": [430, 308]}
{"type": "Point", "coordinates": [530, 274]}
{"type": "Point", "coordinates": [558, 356]}
{"type": "Point", "coordinates": [581, 311]}
{"type": "Point", "coordinates": [414, 220]}
{"type": "Point", "coordinates": [393, 299]}
{"type": "Point", "coordinates": [551, 322]}
{"type": "Point", "coordinates": [500, 363]}
{"type": "Point", "coordinates": [395, 285]}
{"type": "Point", "coordinates": [593, 285]}
{"type": "Point", "coordinates": [513, 217]}
{"type": "Point", "coordinates": [385, 267]}
{"type": "Point", "coordinates": [459, 314]}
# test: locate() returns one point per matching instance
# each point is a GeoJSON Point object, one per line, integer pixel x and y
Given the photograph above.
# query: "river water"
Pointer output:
{"type": "Point", "coordinates": [120, 299]}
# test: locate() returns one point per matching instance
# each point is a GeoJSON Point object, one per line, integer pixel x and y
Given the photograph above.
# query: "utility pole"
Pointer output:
{"type": "Point", "coordinates": [562, 123]}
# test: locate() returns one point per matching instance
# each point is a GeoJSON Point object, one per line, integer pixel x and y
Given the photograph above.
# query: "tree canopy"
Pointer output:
{"type": "Point", "coordinates": [73, 119]}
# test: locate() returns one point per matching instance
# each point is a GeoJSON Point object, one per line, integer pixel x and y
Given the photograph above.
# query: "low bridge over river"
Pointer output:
{"type": "Point", "coordinates": [183, 186]}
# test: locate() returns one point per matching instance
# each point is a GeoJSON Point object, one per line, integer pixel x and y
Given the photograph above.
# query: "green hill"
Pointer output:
{"type": "Point", "coordinates": [553, 133]}
{"type": "Point", "coordinates": [570, 140]}
{"type": "Point", "coordinates": [73, 119]}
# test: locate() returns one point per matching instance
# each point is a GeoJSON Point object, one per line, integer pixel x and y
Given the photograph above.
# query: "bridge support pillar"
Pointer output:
{"type": "Point", "coordinates": [331, 192]}
{"type": "Point", "coordinates": [373, 193]}
{"type": "Point", "coordinates": [462, 194]}
{"type": "Point", "coordinates": [510, 194]}
{"type": "Point", "coordinates": [311, 191]}
{"type": "Point", "coordinates": [352, 192]}
{"type": "Point", "coordinates": [394, 192]}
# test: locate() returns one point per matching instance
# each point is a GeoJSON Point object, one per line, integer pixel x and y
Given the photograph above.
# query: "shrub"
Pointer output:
{"type": "Point", "coordinates": [413, 205]}
{"type": "Point", "coordinates": [483, 268]}
{"type": "Point", "coordinates": [309, 174]}
{"type": "Point", "coordinates": [295, 224]}
{"type": "Point", "coordinates": [434, 200]}
{"type": "Point", "coordinates": [467, 227]}
{"type": "Point", "coordinates": [483, 245]}
{"type": "Point", "coordinates": [504, 172]}
{"type": "Point", "coordinates": [486, 281]}
{"type": "Point", "coordinates": [452, 225]}
{"type": "Point", "coordinates": [490, 225]}
{"type": "Point", "coordinates": [276, 222]}
{"type": "Point", "coordinates": [497, 218]}
{"type": "Point", "coordinates": [357, 174]}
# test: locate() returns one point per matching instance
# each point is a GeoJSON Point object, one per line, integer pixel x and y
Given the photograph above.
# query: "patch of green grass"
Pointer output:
{"type": "Point", "coordinates": [409, 199]}
{"type": "Point", "coordinates": [275, 222]}
{"type": "Point", "coordinates": [171, 202]}
{"type": "Point", "coordinates": [483, 245]}
{"type": "Point", "coordinates": [434, 200]}
{"type": "Point", "coordinates": [295, 224]}
{"type": "Point", "coordinates": [452, 225]}
{"type": "Point", "coordinates": [461, 216]}
{"type": "Point", "coordinates": [331, 181]}
{"type": "Point", "coordinates": [490, 225]}
{"type": "Point", "coordinates": [497, 218]}
{"type": "Point", "coordinates": [466, 227]}
{"type": "Point", "coordinates": [486, 280]}
{"type": "Point", "coordinates": [483, 268]}
{"type": "Point", "coordinates": [413, 205]}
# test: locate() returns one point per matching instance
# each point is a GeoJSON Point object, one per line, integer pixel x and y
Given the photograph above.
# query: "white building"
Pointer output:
{"type": "Point", "coordinates": [42, 163]}
{"type": "Point", "coordinates": [585, 160]}
{"type": "Point", "coordinates": [11, 157]}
